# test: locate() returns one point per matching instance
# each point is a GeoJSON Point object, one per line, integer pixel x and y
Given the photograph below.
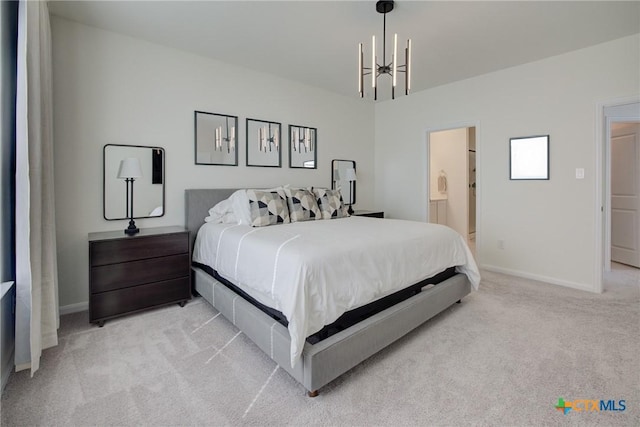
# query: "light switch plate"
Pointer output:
{"type": "Point", "coordinates": [579, 173]}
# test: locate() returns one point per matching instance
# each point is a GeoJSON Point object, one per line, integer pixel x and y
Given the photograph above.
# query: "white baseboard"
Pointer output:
{"type": "Point", "coordinates": [540, 278]}
{"type": "Point", "coordinates": [74, 308]}
{"type": "Point", "coordinates": [23, 366]}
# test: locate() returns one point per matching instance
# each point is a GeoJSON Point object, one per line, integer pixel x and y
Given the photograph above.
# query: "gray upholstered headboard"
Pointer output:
{"type": "Point", "coordinates": [197, 205]}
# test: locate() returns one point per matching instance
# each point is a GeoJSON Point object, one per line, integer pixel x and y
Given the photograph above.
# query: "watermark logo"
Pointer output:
{"type": "Point", "coordinates": [590, 405]}
{"type": "Point", "coordinates": [563, 406]}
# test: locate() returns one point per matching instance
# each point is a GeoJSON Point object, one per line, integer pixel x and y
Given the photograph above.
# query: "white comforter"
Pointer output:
{"type": "Point", "coordinates": [314, 271]}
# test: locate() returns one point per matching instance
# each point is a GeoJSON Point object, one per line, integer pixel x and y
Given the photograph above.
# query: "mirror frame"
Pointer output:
{"type": "Point", "coordinates": [104, 180]}
{"type": "Point", "coordinates": [333, 182]}
{"type": "Point", "coordinates": [313, 145]}
{"type": "Point", "coordinates": [253, 139]}
{"type": "Point", "coordinates": [195, 137]}
{"type": "Point", "coordinates": [521, 156]}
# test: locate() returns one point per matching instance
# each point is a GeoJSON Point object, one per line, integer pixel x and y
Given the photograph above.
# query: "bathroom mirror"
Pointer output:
{"type": "Point", "coordinates": [343, 176]}
{"type": "Point", "coordinates": [148, 190]}
{"type": "Point", "coordinates": [216, 137]}
{"type": "Point", "coordinates": [529, 157]}
{"type": "Point", "coordinates": [302, 147]}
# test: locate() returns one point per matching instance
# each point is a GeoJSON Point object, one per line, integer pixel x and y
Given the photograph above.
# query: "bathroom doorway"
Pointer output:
{"type": "Point", "coordinates": [452, 187]}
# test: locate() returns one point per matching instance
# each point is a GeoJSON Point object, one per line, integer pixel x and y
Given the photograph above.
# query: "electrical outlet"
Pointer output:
{"type": "Point", "coordinates": [500, 244]}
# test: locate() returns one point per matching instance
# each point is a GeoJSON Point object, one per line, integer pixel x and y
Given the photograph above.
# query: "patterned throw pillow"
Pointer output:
{"type": "Point", "coordinates": [267, 208]}
{"type": "Point", "coordinates": [302, 204]}
{"type": "Point", "coordinates": [331, 203]}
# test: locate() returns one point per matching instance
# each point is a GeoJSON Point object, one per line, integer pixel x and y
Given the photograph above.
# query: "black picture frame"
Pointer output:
{"type": "Point", "coordinates": [211, 148]}
{"type": "Point", "coordinates": [303, 147]}
{"type": "Point", "coordinates": [264, 143]}
{"type": "Point", "coordinates": [529, 158]}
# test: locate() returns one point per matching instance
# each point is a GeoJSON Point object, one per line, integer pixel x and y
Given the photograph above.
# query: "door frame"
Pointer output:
{"type": "Point", "coordinates": [623, 110]}
{"type": "Point", "coordinates": [427, 179]}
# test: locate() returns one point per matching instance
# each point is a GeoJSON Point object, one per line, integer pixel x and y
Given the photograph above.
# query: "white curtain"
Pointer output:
{"type": "Point", "coordinates": [37, 317]}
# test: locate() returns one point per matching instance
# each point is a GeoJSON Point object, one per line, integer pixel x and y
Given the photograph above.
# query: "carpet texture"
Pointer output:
{"type": "Point", "coordinates": [502, 357]}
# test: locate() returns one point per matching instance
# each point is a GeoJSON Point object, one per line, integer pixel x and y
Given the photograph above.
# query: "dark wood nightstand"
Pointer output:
{"type": "Point", "coordinates": [133, 273]}
{"type": "Point", "coordinates": [373, 214]}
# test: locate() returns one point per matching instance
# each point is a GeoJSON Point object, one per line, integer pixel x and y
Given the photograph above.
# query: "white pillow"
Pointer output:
{"type": "Point", "coordinates": [156, 212]}
{"type": "Point", "coordinates": [240, 207]}
{"type": "Point", "coordinates": [221, 213]}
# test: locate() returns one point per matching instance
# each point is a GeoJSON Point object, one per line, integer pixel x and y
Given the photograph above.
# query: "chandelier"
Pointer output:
{"type": "Point", "coordinates": [229, 139]}
{"type": "Point", "coordinates": [302, 138]}
{"type": "Point", "coordinates": [268, 139]}
{"type": "Point", "coordinates": [391, 68]}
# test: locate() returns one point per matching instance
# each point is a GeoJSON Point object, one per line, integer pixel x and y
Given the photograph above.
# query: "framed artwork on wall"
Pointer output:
{"type": "Point", "coordinates": [303, 147]}
{"type": "Point", "coordinates": [529, 158]}
{"type": "Point", "coordinates": [264, 143]}
{"type": "Point", "coordinates": [216, 139]}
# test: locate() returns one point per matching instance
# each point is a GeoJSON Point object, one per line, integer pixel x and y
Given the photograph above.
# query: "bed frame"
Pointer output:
{"type": "Point", "coordinates": [326, 360]}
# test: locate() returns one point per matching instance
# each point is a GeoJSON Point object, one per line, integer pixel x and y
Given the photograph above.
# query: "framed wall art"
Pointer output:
{"type": "Point", "coordinates": [303, 147]}
{"type": "Point", "coordinates": [216, 139]}
{"type": "Point", "coordinates": [529, 158]}
{"type": "Point", "coordinates": [264, 143]}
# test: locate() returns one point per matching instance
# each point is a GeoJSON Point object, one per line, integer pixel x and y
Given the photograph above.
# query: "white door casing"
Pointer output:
{"type": "Point", "coordinates": [625, 193]}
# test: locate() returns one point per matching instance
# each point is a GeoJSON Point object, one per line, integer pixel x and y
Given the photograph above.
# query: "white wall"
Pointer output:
{"type": "Point", "coordinates": [448, 151]}
{"type": "Point", "coordinates": [548, 226]}
{"type": "Point", "coordinates": [110, 88]}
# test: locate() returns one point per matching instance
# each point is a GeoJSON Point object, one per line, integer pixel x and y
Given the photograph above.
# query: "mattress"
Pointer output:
{"type": "Point", "coordinates": [315, 271]}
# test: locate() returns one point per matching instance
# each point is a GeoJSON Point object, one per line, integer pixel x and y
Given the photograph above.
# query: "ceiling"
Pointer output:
{"type": "Point", "coordinates": [315, 42]}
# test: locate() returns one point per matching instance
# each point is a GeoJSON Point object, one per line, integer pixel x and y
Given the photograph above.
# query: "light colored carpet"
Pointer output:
{"type": "Point", "coordinates": [502, 357]}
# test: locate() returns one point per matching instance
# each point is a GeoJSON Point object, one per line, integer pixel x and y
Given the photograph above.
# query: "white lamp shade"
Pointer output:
{"type": "Point", "coordinates": [350, 174]}
{"type": "Point", "coordinates": [129, 168]}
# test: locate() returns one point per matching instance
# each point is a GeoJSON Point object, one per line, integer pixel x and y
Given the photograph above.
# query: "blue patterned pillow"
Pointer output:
{"type": "Point", "coordinates": [267, 208]}
{"type": "Point", "coordinates": [330, 203]}
{"type": "Point", "coordinates": [302, 205]}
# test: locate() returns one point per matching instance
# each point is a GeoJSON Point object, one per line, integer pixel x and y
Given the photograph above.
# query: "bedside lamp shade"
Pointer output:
{"type": "Point", "coordinates": [129, 168]}
{"type": "Point", "coordinates": [350, 174]}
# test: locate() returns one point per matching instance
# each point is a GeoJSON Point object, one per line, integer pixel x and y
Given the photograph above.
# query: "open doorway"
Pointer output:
{"type": "Point", "coordinates": [625, 193]}
{"type": "Point", "coordinates": [452, 186]}
{"type": "Point", "coordinates": [620, 178]}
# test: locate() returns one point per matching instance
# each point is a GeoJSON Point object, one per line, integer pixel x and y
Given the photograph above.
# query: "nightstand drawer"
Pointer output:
{"type": "Point", "coordinates": [142, 247]}
{"type": "Point", "coordinates": [121, 301]}
{"type": "Point", "coordinates": [116, 276]}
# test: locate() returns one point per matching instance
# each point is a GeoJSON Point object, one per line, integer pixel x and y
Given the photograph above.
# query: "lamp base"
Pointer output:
{"type": "Point", "coordinates": [131, 229]}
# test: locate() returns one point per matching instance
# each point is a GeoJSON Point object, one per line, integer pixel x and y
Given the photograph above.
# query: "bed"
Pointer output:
{"type": "Point", "coordinates": [316, 362]}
